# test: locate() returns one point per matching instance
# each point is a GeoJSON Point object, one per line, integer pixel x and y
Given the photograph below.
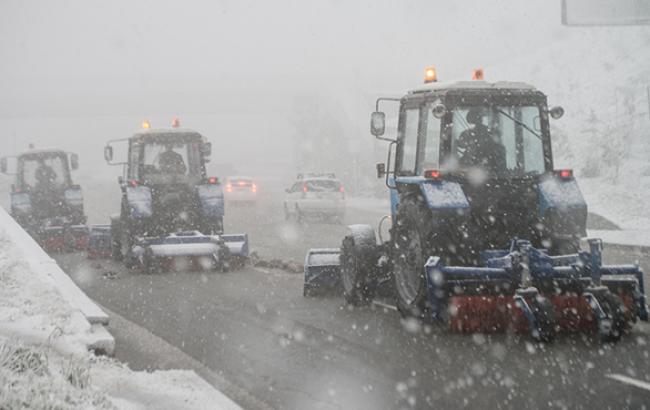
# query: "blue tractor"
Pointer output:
{"type": "Point", "coordinates": [44, 199]}
{"type": "Point", "coordinates": [171, 213]}
{"type": "Point", "coordinates": [484, 231]}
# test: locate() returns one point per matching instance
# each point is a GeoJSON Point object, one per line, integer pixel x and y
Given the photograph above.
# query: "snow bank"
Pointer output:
{"type": "Point", "coordinates": [44, 356]}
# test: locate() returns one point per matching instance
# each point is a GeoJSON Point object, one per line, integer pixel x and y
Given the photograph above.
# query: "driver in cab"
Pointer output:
{"type": "Point", "coordinates": [45, 176]}
{"type": "Point", "coordinates": [171, 162]}
{"type": "Point", "coordinates": [479, 146]}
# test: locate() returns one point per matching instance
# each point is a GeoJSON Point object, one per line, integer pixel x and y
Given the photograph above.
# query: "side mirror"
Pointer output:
{"type": "Point", "coordinates": [120, 180]}
{"type": "Point", "coordinates": [377, 123]}
{"type": "Point", "coordinates": [381, 170]}
{"type": "Point", "coordinates": [3, 165]}
{"type": "Point", "coordinates": [74, 161]}
{"type": "Point", "coordinates": [206, 149]}
{"type": "Point", "coordinates": [556, 112]}
{"type": "Point", "coordinates": [108, 153]}
{"type": "Point", "coordinates": [439, 111]}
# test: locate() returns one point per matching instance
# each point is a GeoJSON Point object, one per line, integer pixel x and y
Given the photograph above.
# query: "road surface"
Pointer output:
{"type": "Point", "coordinates": [254, 327]}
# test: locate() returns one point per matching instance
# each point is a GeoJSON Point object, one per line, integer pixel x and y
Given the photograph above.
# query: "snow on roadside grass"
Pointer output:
{"type": "Point", "coordinates": [624, 203]}
{"type": "Point", "coordinates": [44, 362]}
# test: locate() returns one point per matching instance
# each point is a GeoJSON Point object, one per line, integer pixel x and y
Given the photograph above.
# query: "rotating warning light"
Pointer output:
{"type": "Point", "coordinates": [176, 123]}
{"type": "Point", "coordinates": [477, 74]}
{"type": "Point", "coordinates": [430, 75]}
{"type": "Point", "coordinates": [146, 125]}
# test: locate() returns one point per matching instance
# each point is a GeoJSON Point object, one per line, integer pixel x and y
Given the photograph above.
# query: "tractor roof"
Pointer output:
{"type": "Point", "coordinates": [168, 134]}
{"type": "Point", "coordinates": [473, 86]}
{"type": "Point", "coordinates": [42, 151]}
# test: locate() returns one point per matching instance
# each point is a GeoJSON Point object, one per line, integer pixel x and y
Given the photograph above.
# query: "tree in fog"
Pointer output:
{"type": "Point", "coordinates": [593, 134]}
{"type": "Point", "coordinates": [321, 136]}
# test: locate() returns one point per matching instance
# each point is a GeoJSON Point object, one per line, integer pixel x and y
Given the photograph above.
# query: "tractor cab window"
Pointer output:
{"type": "Point", "coordinates": [498, 139]}
{"type": "Point", "coordinates": [430, 145]}
{"type": "Point", "coordinates": [409, 141]}
{"type": "Point", "coordinates": [165, 161]}
{"type": "Point", "coordinates": [44, 171]}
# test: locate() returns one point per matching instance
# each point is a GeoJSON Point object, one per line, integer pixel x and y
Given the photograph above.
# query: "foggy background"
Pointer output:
{"type": "Point", "coordinates": [286, 86]}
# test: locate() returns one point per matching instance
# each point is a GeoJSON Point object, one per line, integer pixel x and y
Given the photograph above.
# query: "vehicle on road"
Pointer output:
{"type": "Point", "coordinates": [241, 190]}
{"type": "Point", "coordinates": [315, 195]}
{"type": "Point", "coordinates": [171, 213]}
{"type": "Point", "coordinates": [44, 199]}
{"type": "Point", "coordinates": [485, 233]}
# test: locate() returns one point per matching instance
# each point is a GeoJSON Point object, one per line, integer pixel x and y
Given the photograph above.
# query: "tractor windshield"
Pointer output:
{"type": "Point", "coordinates": [498, 139]}
{"type": "Point", "coordinates": [44, 171]}
{"type": "Point", "coordinates": [170, 161]}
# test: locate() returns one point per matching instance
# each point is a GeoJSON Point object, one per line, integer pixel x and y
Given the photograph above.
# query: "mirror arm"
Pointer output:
{"type": "Point", "coordinates": [392, 141]}
{"type": "Point", "coordinates": [385, 99]}
{"type": "Point", "coordinates": [390, 150]}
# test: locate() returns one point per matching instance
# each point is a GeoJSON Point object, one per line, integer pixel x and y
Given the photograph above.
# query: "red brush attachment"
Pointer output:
{"type": "Point", "coordinates": [485, 314]}
{"type": "Point", "coordinates": [573, 313]}
{"type": "Point", "coordinates": [52, 243]}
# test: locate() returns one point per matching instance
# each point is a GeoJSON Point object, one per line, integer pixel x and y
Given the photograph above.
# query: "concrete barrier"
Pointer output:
{"type": "Point", "coordinates": [100, 340]}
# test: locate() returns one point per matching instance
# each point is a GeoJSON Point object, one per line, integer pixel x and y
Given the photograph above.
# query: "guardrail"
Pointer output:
{"type": "Point", "coordinates": [100, 340]}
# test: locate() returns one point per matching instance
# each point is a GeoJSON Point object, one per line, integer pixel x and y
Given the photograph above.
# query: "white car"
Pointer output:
{"type": "Point", "coordinates": [315, 196]}
{"type": "Point", "coordinates": [240, 190]}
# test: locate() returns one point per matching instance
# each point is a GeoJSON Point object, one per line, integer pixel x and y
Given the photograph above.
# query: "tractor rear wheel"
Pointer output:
{"type": "Point", "coordinates": [116, 247]}
{"type": "Point", "coordinates": [358, 261]}
{"type": "Point", "coordinates": [411, 246]}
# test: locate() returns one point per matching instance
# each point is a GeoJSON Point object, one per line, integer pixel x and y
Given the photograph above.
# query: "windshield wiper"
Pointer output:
{"type": "Point", "coordinates": [500, 111]}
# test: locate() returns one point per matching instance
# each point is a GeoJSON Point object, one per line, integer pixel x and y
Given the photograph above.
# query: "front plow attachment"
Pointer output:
{"type": "Point", "coordinates": [182, 251]}
{"type": "Point", "coordinates": [523, 289]}
{"type": "Point", "coordinates": [322, 271]}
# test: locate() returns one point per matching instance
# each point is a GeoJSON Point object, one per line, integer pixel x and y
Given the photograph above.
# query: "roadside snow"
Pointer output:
{"type": "Point", "coordinates": [44, 361]}
{"type": "Point", "coordinates": [625, 203]}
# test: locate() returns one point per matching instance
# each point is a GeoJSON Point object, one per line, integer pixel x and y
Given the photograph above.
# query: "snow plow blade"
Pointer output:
{"type": "Point", "coordinates": [322, 271]}
{"type": "Point", "coordinates": [581, 293]}
{"type": "Point", "coordinates": [237, 244]}
{"type": "Point", "coordinates": [99, 242]}
{"type": "Point", "coordinates": [182, 251]}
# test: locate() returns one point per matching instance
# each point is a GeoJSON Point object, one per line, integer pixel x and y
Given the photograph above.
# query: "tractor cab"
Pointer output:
{"type": "Point", "coordinates": [489, 144]}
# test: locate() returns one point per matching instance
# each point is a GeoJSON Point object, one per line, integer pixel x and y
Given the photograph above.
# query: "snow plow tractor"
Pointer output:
{"type": "Point", "coordinates": [45, 201]}
{"type": "Point", "coordinates": [484, 232]}
{"type": "Point", "coordinates": [171, 214]}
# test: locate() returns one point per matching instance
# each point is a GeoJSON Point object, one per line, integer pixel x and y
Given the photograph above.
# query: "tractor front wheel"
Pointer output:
{"type": "Point", "coordinates": [410, 248]}
{"type": "Point", "coordinates": [358, 262]}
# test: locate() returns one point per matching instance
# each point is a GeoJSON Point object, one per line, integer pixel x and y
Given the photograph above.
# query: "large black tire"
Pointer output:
{"type": "Point", "coordinates": [358, 267]}
{"type": "Point", "coordinates": [618, 316]}
{"type": "Point", "coordinates": [411, 247]}
{"type": "Point", "coordinates": [116, 247]}
{"type": "Point", "coordinates": [126, 243]}
{"type": "Point", "coordinates": [149, 262]}
{"type": "Point", "coordinates": [546, 319]}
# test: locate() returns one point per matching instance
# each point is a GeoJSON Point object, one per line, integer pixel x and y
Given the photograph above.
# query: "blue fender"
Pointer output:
{"type": "Point", "coordinates": [139, 200]}
{"type": "Point", "coordinates": [21, 203]}
{"type": "Point", "coordinates": [211, 199]}
{"type": "Point", "coordinates": [438, 194]}
{"type": "Point", "coordinates": [560, 194]}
